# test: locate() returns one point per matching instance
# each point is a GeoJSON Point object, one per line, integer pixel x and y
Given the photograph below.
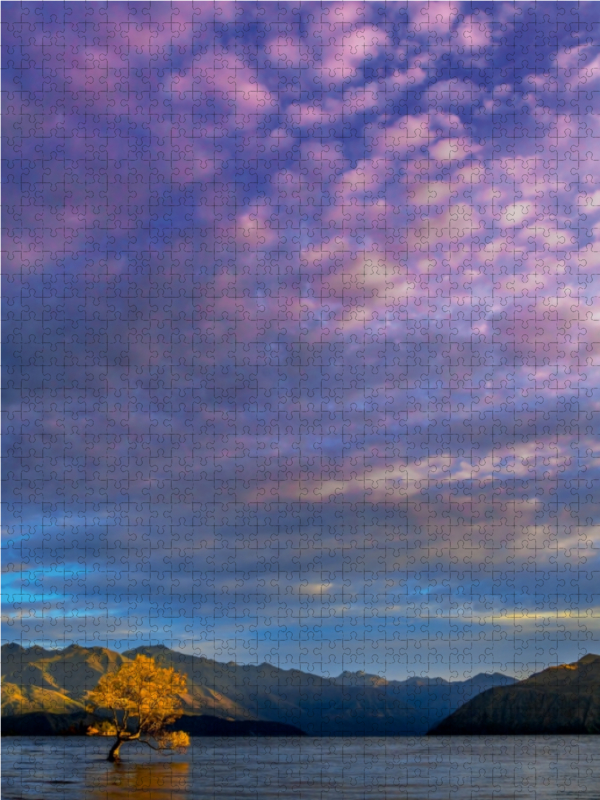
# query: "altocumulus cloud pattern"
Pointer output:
{"type": "Point", "coordinates": [302, 331]}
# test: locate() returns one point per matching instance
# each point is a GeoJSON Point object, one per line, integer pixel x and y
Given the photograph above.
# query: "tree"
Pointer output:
{"type": "Point", "coordinates": [143, 699]}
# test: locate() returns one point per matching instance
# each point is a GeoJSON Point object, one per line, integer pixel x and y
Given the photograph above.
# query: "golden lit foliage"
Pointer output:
{"type": "Point", "coordinates": [177, 740]}
{"type": "Point", "coordinates": [143, 699]}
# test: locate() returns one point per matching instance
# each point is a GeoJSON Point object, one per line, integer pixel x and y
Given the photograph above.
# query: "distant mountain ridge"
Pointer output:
{"type": "Point", "coordinates": [361, 678]}
{"type": "Point", "coordinates": [557, 700]}
{"type": "Point", "coordinates": [352, 704]}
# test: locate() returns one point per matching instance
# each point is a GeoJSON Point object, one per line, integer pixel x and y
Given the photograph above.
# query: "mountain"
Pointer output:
{"type": "Point", "coordinates": [357, 704]}
{"type": "Point", "coordinates": [55, 681]}
{"type": "Point", "coordinates": [432, 698]}
{"type": "Point", "coordinates": [558, 700]}
{"type": "Point", "coordinates": [319, 706]}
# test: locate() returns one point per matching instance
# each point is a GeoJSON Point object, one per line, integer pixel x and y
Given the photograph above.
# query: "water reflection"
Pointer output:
{"type": "Point", "coordinates": [157, 781]}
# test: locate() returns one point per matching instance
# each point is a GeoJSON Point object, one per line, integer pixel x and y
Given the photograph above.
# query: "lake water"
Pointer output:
{"type": "Point", "coordinates": [461, 768]}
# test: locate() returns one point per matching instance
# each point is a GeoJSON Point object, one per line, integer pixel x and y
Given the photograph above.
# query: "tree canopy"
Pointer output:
{"type": "Point", "coordinates": [143, 699]}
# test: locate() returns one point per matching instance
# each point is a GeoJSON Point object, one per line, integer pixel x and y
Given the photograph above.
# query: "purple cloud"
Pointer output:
{"type": "Point", "coordinates": [301, 322]}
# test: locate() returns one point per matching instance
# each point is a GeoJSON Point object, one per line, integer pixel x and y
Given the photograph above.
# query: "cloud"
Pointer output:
{"type": "Point", "coordinates": [313, 281]}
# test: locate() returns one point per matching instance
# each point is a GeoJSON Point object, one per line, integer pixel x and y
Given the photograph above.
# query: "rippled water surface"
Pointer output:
{"type": "Point", "coordinates": [542, 767]}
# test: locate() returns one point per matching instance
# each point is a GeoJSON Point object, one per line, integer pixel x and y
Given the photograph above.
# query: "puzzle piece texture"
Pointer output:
{"type": "Point", "coordinates": [302, 332]}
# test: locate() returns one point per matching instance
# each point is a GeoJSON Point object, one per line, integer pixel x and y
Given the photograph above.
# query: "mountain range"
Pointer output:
{"type": "Point", "coordinates": [56, 682]}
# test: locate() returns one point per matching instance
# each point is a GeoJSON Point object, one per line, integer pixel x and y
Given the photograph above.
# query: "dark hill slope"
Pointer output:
{"type": "Point", "coordinates": [558, 700]}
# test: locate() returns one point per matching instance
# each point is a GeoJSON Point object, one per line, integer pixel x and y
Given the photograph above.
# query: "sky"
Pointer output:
{"type": "Point", "coordinates": [302, 332]}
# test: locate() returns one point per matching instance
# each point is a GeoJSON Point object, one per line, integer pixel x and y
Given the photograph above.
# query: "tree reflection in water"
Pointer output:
{"type": "Point", "coordinates": [163, 780]}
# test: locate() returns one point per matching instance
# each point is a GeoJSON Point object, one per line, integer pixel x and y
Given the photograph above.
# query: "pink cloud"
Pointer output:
{"type": "Point", "coordinates": [342, 59]}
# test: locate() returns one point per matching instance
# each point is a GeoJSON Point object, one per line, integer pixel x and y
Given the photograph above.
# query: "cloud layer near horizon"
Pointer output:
{"type": "Point", "coordinates": [302, 330]}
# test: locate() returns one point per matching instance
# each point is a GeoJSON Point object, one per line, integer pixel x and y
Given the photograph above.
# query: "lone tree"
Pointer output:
{"type": "Point", "coordinates": [143, 699]}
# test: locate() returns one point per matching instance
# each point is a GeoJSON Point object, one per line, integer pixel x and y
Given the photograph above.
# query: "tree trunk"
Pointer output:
{"type": "Point", "coordinates": [122, 736]}
{"type": "Point", "coordinates": [114, 750]}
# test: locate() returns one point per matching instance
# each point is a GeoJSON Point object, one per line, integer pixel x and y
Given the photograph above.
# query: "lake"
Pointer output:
{"type": "Point", "coordinates": [457, 768]}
